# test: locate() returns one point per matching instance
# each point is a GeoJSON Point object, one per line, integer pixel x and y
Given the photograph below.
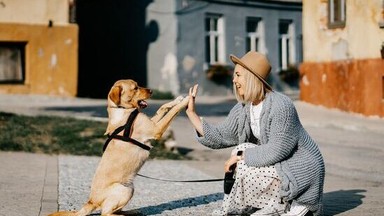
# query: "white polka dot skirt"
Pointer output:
{"type": "Point", "coordinates": [255, 188]}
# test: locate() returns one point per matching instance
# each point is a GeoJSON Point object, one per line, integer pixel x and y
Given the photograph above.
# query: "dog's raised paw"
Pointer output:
{"type": "Point", "coordinates": [185, 100]}
{"type": "Point", "coordinates": [179, 99]}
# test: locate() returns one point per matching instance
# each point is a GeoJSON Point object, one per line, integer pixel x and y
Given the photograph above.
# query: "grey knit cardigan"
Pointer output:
{"type": "Point", "coordinates": [283, 143]}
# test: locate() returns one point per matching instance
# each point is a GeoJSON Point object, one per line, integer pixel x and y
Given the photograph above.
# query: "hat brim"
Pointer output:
{"type": "Point", "coordinates": [236, 60]}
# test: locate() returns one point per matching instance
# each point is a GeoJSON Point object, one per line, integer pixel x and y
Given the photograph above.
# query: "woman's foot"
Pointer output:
{"type": "Point", "coordinates": [268, 212]}
{"type": "Point", "coordinates": [296, 210]}
{"type": "Point", "coordinates": [220, 212]}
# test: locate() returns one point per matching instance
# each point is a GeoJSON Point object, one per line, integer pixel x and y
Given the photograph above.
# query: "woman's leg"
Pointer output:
{"type": "Point", "coordinates": [254, 188]}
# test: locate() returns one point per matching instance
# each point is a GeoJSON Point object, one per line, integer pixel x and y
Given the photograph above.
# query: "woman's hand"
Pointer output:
{"type": "Point", "coordinates": [232, 160]}
{"type": "Point", "coordinates": [191, 112]}
{"type": "Point", "coordinates": [192, 96]}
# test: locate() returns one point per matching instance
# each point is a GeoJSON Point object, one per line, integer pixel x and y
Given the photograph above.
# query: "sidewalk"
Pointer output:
{"type": "Point", "coordinates": [28, 184]}
{"type": "Point", "coordinates": [352, 146]}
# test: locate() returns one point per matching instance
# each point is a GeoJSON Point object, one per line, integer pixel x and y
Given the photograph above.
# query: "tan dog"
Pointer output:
{"type": "Point", "coordinates": [112, 185]}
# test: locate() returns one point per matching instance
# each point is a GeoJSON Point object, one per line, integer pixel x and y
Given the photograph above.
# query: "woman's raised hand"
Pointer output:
{"type": "Point", "coordinates": [191, 112]}
{"type": "Point", "coordinates": [192, 96]}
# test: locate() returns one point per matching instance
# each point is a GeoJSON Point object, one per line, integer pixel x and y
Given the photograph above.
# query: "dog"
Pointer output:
{"type": "Point", "coordinates": [112, 184]}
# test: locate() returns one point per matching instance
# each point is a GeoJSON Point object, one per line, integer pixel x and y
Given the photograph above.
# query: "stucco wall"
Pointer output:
{"type": "Point", "coordinates": [342, 67]}
{"type": "Point", "coordinates": [360, 39]}
{"type": "Point", "coordinates": [353, 86]}
{"type": "Point", "coordinates": [162, 53]}
{"type": "Point", "coordinates": [50, 58]}
{"type": "Point", "coordinates": [191, 38]}
{"type": "Point", "coordinates": [34, 11]}
{"type": "Point", "coordinates": [176, 58]}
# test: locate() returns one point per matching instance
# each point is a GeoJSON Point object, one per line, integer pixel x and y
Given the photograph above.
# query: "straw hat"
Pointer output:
{"type": "Point", "coordinates": [256, 63]}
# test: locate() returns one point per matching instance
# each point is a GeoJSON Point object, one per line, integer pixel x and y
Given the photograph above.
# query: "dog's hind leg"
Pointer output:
{"type": "Point", "coordinates": [118, 196]}
{"type": "Point", "coordinates": [86, 209]}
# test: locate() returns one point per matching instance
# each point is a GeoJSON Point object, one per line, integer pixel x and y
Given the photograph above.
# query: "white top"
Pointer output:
{"type": "Point", "coordinates": [255, 112]}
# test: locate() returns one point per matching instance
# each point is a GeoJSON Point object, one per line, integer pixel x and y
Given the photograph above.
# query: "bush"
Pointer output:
{"type": "Point", "coordinates": [291, 75]}
{"type": "Point", "coordinates": [162, 95]}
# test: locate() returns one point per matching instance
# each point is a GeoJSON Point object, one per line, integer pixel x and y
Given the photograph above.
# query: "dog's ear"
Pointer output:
{"type": "Point", "coordinates": [114, 94]}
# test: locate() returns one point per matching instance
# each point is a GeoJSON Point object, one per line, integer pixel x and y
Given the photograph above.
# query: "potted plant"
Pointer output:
{"type": "Point", "coordinates": [219, 73]}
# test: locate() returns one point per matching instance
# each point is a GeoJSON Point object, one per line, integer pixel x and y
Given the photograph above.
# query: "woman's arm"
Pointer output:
{"type": "Point", "coordinates": [218, 136]}
{"type": "Point", "coordinates": [224, 134]}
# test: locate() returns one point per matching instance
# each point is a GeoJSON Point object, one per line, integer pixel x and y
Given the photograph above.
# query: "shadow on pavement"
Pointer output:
{"type": "Point", "coordinates": [340, 201]}
{"type": "Point", "coordinates": [183, 203]}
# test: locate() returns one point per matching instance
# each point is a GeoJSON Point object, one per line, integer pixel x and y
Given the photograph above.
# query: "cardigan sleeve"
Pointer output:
{"type": "Point", "coordinates": [224, 134]}
{"type": "Point", "coordinates": [283, 135]}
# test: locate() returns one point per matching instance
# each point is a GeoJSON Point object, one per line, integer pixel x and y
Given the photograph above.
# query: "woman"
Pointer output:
{"type": "Point", "coordinates": [280, 169]}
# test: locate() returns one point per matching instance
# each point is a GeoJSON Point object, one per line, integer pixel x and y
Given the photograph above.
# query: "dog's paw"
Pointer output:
{"type": "Point", "coordinates": [166, 107]}
{"type": "Point", "coordinates": [179, 99]}
{"type": "Point", "coordinates": [185, 101]}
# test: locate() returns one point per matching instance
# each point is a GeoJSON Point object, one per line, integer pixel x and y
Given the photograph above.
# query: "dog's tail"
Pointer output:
{"type": "Point", "coordinates": [85, 210]}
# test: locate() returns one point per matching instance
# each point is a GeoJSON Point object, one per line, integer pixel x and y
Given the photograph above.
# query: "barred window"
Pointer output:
{"type": "Point", "coordinates": [12, 62]}
{"type": "Point", "coordinates": [286, 44]}
{"type": "Point", "coordinates": [255, 34]}
{"type": "Point", "coordinates": [214, 39]}
{"type": "Point", "coordinates": [336, 13]}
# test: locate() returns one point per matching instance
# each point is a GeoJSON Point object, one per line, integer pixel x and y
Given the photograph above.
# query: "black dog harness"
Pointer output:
{"type": "Point", "coordinates": [126, 137]}
{"type": "Point", "coordinates": [127, 133]}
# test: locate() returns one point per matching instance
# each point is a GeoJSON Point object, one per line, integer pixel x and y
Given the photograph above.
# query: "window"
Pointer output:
{"type": "Point", "coordinates": [255, 35]}
{"type": "Point", "coordinates": [214, 39]}
{"type": "Point", "coordinates": [286, 44]}
{"type": "Point", "coordinates": [72, 11]}
{"type": "Point", "coordinates": [12, 67]}
{"type": "Point", "coordinates": [336, 13]}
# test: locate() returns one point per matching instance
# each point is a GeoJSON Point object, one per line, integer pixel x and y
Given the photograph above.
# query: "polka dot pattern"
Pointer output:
{"type": "Point", "coordinates": [254, 188]}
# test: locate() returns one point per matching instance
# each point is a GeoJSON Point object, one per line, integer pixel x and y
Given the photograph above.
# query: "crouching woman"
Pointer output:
{"type": "Point", "coordinates": [280, 170]}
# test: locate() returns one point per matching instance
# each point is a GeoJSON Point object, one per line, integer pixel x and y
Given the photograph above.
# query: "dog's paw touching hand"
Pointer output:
{"type": "Point", "coordinates": [185, 101]}
{"type": "Point", "coordinates": [179, 99]}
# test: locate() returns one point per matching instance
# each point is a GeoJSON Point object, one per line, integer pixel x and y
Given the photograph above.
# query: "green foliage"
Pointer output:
{"type": "Point", "coordinates": [59, 135]}
{"type": "Point", "coordinates": [162, 95]}
{"type": "Point", "coordinates": [291, 75]}
{"type": "Point", "coordinates": [51, 135]}
{"type": "Point", "coordinates": [220, 73]}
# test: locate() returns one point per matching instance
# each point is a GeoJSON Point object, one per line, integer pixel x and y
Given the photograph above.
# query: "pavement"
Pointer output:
{"type": "Point", "coordinates": [38, 184]}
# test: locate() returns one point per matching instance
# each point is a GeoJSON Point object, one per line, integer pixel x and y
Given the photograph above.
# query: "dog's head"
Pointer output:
{"type": "Point", "coordinates": [127, 94]}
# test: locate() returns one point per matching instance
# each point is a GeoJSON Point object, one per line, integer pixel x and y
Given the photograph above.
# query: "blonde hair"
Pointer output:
{"type": "Point", "coordinates": [255, 90]}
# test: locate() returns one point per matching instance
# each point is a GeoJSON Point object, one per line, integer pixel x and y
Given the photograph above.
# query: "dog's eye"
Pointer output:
{"type": "Point", "coordinates": [136, 88]}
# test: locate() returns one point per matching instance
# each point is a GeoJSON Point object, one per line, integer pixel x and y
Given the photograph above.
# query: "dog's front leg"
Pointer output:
{"type": "Point", "coordinates": [165, 108]}
{"type": "Point", "coordinates": [164, 122]}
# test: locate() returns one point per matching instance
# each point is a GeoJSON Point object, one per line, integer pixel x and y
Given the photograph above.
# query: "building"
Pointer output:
{"type": "Point", "coordinates": [343, 64]}
{"type": "Point", "coordinates": [167, 45]}
{"type": "Point", "coordinates": [38, 48]}
{"type": "Point", "coordinates": [193, 39]}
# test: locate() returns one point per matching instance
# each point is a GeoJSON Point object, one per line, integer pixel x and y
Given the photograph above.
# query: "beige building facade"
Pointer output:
{"type": "Point", "coordinates": [38, 48]}
{"type": "Point", "coordinates": [343, 66]}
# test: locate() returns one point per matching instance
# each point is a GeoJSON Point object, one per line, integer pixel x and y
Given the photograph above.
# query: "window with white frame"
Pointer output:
{"type": "Point", "coordinates": [12, 66]}
{"type": "Point", "coordinates": [255, 35]}
{"type": "Point", "coordinates": [214, 39]}
{"type": "Point", "coordinates": [336, 13]}
{"type": "Point", "coordinates": [286, 44]}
